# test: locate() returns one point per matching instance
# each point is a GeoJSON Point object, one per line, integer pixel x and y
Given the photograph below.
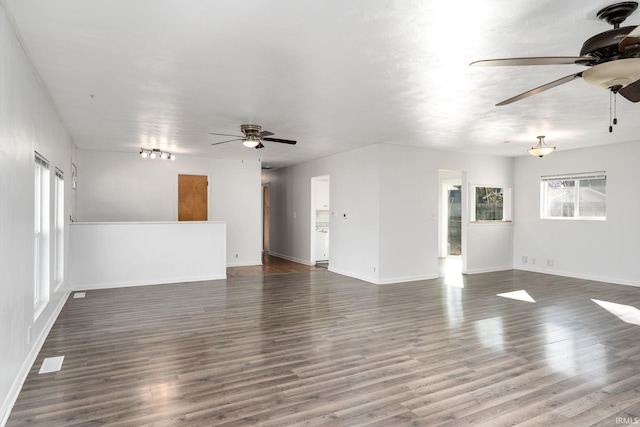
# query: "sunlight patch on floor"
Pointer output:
{"type": "Point", "coordinates": [520, 295]}
{"type": "Point", "coordinates": [451, 269]}
{"type": "Point", "coordinates": [626, 313]}
{"type": "Point", "coordinates": [455, 280]}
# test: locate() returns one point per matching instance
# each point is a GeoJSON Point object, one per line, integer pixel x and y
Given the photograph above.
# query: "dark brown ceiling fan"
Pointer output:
{"type": "Point", "coordinates": [613, 58]}
{"type": "Point", "coordinates": [252, 137]}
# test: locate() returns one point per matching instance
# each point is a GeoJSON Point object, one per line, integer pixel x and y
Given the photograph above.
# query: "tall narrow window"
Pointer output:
{"type": "Point", "coordinates": [59, 229]}
{"type": "Point", "coordinates": [41, 234]}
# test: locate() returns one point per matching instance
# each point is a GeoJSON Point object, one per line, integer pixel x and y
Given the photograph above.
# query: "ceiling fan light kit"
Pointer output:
{"type": "Point", "coordinates": [251, 141]}
{"type": "Point", "coordinates": [541, 149]}
{"type": "Point", "coordinates": [608, 75]}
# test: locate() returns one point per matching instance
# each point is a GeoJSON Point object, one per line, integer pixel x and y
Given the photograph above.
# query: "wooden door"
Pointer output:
{"type": "Point", "coordinates": [192, 197]}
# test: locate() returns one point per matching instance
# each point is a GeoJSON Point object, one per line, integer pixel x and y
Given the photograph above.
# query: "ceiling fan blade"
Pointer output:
{"type": "Point", "coordinates": [631, 92]}
{"type": "Point", "coordinates": [630, 39]}
{"type": "Point", "coordinates": [542, 88]}
{"type": "Point", "coordinates": [224, 142]}
{"type": "Point", "coordinates": [225, 134]}
{"type": "Point", "coordinates": [284, 141]}
{"type": "Point", "coordinates": [535, 60]}
{"type": "Point", "coordinates": [259, 146]}
{"type": "Point", "coordinates": [265, 133]}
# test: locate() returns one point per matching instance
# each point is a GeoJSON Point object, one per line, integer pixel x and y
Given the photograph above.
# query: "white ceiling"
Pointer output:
{"type": "Point", "coordinates": [334, 75]}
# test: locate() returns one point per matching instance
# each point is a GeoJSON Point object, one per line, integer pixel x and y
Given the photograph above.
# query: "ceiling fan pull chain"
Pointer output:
{"type": "Point", "coordinates": [615, 108]}
{"type": "Point", "coordinates": [610, 112]}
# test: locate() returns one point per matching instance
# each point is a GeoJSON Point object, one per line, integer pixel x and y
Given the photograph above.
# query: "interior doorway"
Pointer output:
{"type": "Point", "coordinates": [320, 220]}
{"type": "Point", "coordinates": [454, 220]}
{"type": "Point", "coordinates": [192, 197]}
{"type": "Point", "coordinates": [451, 222]}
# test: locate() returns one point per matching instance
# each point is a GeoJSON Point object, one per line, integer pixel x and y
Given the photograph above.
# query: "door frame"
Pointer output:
{"type": "Point", "coordinates": [447, 178]}
{"type": "Point", "coordinates": [265, 217]}
{"type": "Point", "coordinates": [312, 239]}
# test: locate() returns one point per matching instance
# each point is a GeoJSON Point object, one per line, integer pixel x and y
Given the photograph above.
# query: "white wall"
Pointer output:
{"type": "Point", "coordinates": [390, 195]}
{"type": "Point", "coordinates": [115, 186]}
{"type": "Point", "coordinates": [598, 250]}
{"type": "Point", "coordinates": [145, 253]}
{"type": "Point", "coordinates": [409, 208]}
{"type": "Point", "coordinates": [28, 123]}
{"type": "Point", "coordinates": [354, 191]}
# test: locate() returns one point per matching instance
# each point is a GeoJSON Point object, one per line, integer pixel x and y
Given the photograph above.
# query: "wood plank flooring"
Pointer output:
{"type": "Point", "coordinates": [315, 348]}
{"type": "Point", "coordinates": [270, 265]}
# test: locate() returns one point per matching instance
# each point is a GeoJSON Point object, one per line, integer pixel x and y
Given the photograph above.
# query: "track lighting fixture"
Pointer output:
{"type": "Point", "coordinates": [156, 153]}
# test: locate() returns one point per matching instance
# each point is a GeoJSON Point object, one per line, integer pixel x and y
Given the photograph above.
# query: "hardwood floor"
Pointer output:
{"type": "Point", "coordinates": [315, 348]}
{"type": "Point", "coordinates": [270, 265]}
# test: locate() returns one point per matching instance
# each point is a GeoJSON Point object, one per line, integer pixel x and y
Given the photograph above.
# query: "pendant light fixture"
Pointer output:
{"type": "Point", "coordinates": [542, 149]}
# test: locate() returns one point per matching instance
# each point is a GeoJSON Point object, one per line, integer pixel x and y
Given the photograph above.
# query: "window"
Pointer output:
{"type": "Point", "coordinates": [575, 196]}
{"type": "Point", "coordinates": [490, 204]}
{"type": "Point", "coordinates": [41, 234]}
{"type": "Point", "coordinates": [59, 229]}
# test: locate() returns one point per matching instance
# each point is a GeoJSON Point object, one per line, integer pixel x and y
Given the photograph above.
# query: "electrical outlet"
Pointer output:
{"type": "Point", "coordinates": [533, 260]}
{"type": "Point", "coordinates": [374, 269]}
{"type": "Point", "coordinates": [524, 259]}
{"type": "Point", "coordinates": [237, 255]}
{"type": "Point", "coordinates": [550, 262]}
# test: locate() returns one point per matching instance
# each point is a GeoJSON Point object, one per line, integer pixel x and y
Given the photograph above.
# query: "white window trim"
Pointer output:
{"type": "Point", "coordinates": [42, 226]}
{"type": "Point", "coordinates": [567, 177]}
{"type": "Point", "coordinates": [507, 203]}
{"type": "Point", "coordinates": [59, 226]}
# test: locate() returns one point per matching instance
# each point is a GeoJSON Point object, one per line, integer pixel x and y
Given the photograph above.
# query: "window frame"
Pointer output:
{"type": "Point", "coordinates": [577, 178]}
{"type": "Point", "coordinates": [507, 204]}
{"type": "Point", "coordinates": [41, 265]}
{"type": "Point", "coordinates": [59, 226]}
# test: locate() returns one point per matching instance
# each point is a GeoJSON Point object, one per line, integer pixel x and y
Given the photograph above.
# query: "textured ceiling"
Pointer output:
{"type": "Point", "coordinates": [334, 75]}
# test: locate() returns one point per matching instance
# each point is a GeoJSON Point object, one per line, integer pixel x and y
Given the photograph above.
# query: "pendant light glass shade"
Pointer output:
{"type": "Point", "coordinates": [541, 149]}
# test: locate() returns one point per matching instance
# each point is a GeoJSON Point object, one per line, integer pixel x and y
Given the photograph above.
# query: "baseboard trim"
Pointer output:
{"type": "Point", "coordinates": [244, 264]}
{"type": "Point", "coordinates": [489, 270]}
{"type": "Point", "coordinates": [581, 276]}
{"type": "Point", "coordinates": [371, 280]}
{"type": "Point", "coordinates": [95, 286]}
{"type": "Point", "coordinates": [397, 280]}
{"type": "Point", "coordinates": [293, 259]}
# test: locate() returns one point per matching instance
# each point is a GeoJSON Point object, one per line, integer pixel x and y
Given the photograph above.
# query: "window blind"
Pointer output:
{"type": "Point", "coordinates": [583, 175]}
{"type": "Point", "coordinates": [41, 160]}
